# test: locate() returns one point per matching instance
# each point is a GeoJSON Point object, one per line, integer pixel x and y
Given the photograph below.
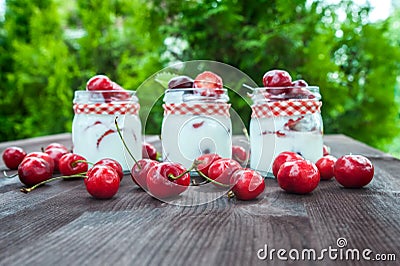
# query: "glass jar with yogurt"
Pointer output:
{"type": "Point", "coordinates": [285, 119]}
{"type": "Point", "coordinates": [94, 133]}
{"type": "Point", "coordinates": [195, 123]}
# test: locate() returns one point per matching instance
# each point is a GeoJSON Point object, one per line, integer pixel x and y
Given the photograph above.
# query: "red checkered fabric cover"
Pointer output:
{"type": "Point", "coordinates": [197, 109]}
{"type": "Point", "coordinates": [286, 108]}
{"type": "Point", "coordinates": [107, 108]}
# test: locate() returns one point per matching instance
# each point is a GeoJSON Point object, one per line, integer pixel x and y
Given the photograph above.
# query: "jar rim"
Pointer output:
{"type": "Point", "coordinates": [310, 87]}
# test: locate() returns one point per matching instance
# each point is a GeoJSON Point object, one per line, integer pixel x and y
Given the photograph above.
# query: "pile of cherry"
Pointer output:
{"type": "Point", "coordinates": [163, 180]}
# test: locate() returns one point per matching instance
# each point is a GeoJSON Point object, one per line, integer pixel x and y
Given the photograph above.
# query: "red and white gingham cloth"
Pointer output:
{"type": "Point", "coordinates": [197, 109]}
{"type": "Point", "coordinates": [286, 108]}
{"type": "Point", "coordinates": [107, 108]}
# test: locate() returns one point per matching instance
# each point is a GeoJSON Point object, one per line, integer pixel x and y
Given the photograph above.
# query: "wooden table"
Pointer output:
{"type": "Point", "coordinates": [60, 224]}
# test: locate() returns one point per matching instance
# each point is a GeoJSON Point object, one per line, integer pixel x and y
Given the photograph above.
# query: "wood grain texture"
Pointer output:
{"type": "Point", "coordinates": [61, 224]}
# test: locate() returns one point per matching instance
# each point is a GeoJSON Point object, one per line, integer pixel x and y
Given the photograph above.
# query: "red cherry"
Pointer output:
{"type": "Point", "coordinates": [300, 177]}
{"type": "Point", "coordinates": [43, 156]}
{"type": "Point", "coordinates": [57, 146]}
{"type": "Point", "coordinates": [277, 78]}
{"type": "Point", "coordinates": [180, 82]}
{"type": "Point", "coordinates": [325, 166]}
{"type": "Point", "coordinates": [326, 150]}
{"type": "Point", "coordinates": [113, 164]}
{"type": "Point", "coordinates": [299, 83]}
{"type": "Point", "coordinates": [13, 156]}
{"type": "Point", "coordinates": [72, 164]}
{"type": "Point", "coordinates": [160, 183]}
{"type": "Point", "coordinates": [34, 170]}
{"type": "Point", "coordinates": [221, 170]}
{"type": "Point", "coordinates": [239, 154]}
{"type": "Point", "coordinates": [99, 83]}
{"type": "Point", "coordinates": [56, 154]}
{"type": "Point", "coordinates": [206, 161]}
{"type": "Point", "coordinates": [149, 151]}
{"type": "Point", "coordinates": [102, 182]}
{"type": "Point", "coordinates": [249, 184]}
{"type": "Point", "coordinates": [353, 171]}
{"type": "Point", "coordinates": [210, 82]}
{"type": "Point", "coordinates": [283, 157]}
{"type": "Point", "coordinates": [139, 174]}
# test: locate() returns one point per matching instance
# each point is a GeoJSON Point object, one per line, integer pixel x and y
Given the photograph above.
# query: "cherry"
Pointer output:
{"type": "Point", "coordinates": [99, 83]}
{"type": "Point", "coordinates": [33, 170]}
{"type": "Point", "coordinates": [205, 161]}
{"type": "Point", "coordinates": [149, 151]}
{"type": "Point", "coordinates": [325, 166]}
{"type": "Point", "coordinates": [72, 164]}
{"type": "Point", "coordinates": [326, 150]}
{"type": "Point", "coordinates": [210, 84]}
{"type": "Point", "coordinates": [140, 170]}
{"type": "Point", "coordinates": [102, 182]}
{"type": "Point", "coordinates": [113, 164]}
{"type": "Point", "coordinates": [13, 156]}
{"type": "Point", "coordinates": [299, 177]}
{"type": "Point", "coordinates": [180, 82]}
{"type": "Point", "coordinates": [353, 171]}
{"type": "Point", "coordinates": [221, 170]}
{"type": "Point", "coordinates": [43, 156]}
{"type": "Point", "coordinates": [57, 146]}
{"type": "Point", "coordinates": [56, 154]}
{"type": "Point", "coordinates": [283, 157]}
{"type": "Point", "coordinates": [239, 154]}
{"type": "Point", "coordinates": [248, 184]}
{"type": "Point", "coordinates": [167, 179]}
{"type": "Point", "coordinates": [277, 78]}
{"type": "Point", "coordinates": [299, 83]}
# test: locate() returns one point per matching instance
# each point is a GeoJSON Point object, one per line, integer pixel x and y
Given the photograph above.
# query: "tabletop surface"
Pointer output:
{"type": "Point", "coordinates": [61, 224]}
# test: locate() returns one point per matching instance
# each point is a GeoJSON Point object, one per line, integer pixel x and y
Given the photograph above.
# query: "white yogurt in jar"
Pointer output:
{"type": "Point", "coordinates": [94, 134]}
{"type": "Point", "coordinates": [194, 125]}
{"type": "Point", "coordinates": [287, 125]}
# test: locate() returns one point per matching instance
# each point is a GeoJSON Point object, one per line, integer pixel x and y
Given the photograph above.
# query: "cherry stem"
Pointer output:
{"type": "Point", "coordinates": [74, 163]}
{"type": "Point", "coordinates": [194, 165]}
{"type": "Point", "coordinates": [125, 145]}
{"type": "Point", "coordinates": [211, 180]}
{"type": "Point", "coordinates": [9, 176]}
{"type": "Point", "coordinates": [27, 190]}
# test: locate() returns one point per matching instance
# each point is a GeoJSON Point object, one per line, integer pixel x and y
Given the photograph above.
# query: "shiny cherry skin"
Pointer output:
{"type": "Point", "coordinates": [161, 185]}
{"type": "Point", "coordinates": [209, 84]}
{"type": "Point", "coordinates": [180, 82]}
{"type": "Point", "coordinates": [99, 83]}
{"type": "Point", "coordinates": [43, 156]}
{"type": "Point", "coordinates": [299, 83]}
{"type": "Point", "coordinates": [277, 78]}
{"type": "Point", "coordinates": [72, 164]}
{"type": "Point", "coordinates": [149, 151]}
{"type": "Point", "coordinates": [299, 177]}
{"type": "Point", "coordinates": [13, 156]}
{"type": "Point", "coordinates": [325, 166]}
{"type": "Point", "coordinates": [55, 154]}
{"type": "Point", "coordinates": [102, 182]}
{"type": "Point", "coordinates": [205, 161]}
{"type": "Point", "coordinates": [140, 170]}
{"type": "Point", "coordinates": [283, 157]}
{"type": "Point", "coordinates": [221, 170]}
{"type": "Point", "coordinates": [57, 146]}
{"type": "Point", "coordinates": [353, 171]}
{"type": "Point", "coordinates": [33, 170]}
{"type": "Point", "coordinates": [239, 154]}
{"type": "Point", "coordinates": [113, 164]}
{"type": "Point", "coordinates": [248, 184]}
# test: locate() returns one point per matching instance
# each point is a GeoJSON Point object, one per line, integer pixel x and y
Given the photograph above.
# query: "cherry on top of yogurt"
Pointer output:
{"type": "Point", "coordinates": [180, 82]}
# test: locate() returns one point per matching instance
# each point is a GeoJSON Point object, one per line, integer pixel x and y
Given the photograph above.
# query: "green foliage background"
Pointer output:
{"type": "Point", "coordinates": [49, 48]}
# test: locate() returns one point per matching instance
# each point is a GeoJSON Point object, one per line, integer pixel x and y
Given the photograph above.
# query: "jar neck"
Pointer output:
{"type": "Point", "coordinates": [122, 96]}
{"type": "Point", "coordinates": [196, 95]}
{"type": "Point", "coordinates": [274, 94]}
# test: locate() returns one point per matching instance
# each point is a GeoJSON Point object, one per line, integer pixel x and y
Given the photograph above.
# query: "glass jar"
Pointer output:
{"type": "Point", "coordinates": [94, 133]}
{"type": "Point", "coordinates": [285, 119]}
{"type": "Point", "coordinates": [195, 122]}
